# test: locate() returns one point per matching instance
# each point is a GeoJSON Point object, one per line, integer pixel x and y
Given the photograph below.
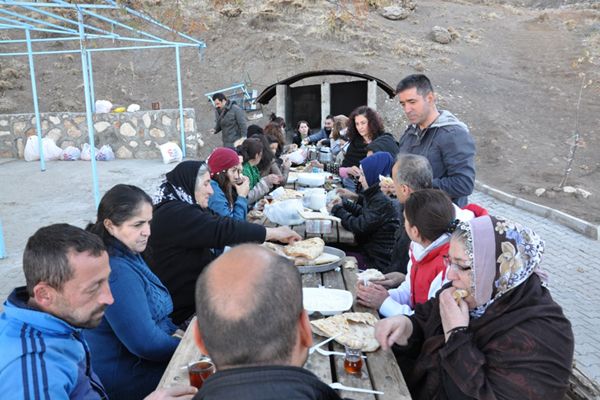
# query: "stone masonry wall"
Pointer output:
{"type": "Point", "coordinates": [131, 135]}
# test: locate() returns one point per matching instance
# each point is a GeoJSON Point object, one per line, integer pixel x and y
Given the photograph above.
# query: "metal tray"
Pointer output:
{"type": "Point", "coordinates": [309, 269]}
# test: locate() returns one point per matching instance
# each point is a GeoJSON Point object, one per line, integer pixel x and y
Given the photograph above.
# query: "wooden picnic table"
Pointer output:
{"type": "Point", "coordinates": [380, 370]}
{"type": "Point", "coordinates": [338, 234]}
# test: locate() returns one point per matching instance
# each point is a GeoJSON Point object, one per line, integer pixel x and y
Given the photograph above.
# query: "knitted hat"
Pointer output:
{"type": "Point", "coordinates": [221, 159]}
{"type": "Point", "coordinates": [380, 163]}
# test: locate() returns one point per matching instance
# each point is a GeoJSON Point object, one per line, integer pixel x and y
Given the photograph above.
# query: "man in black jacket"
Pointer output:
{"type": "Point", "coordinates": [252, 324]}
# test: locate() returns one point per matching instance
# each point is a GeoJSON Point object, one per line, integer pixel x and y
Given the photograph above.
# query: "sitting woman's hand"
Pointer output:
{"type": "Point", "coordinates": [387, 188]}
{"type": "Point", "coordinates": [336, 200]}
{"type": "Point", "coordinates": [354, 171]}
{"type": "Point", "coordinates": [453, 315]}
{"type": "Point", "coordinates": [371, 296]}
{"type": "Point", "coordinates": [173, 392]}
{"type": "Point", "coordinates": [347, 194]}
{"type": "Point", "coordinates": [273, 179]}
{"type": "Point", "coordinates": [243, 188]}
{"type": "Point", "coordinates": [393, 330]}
{"type": "Point", "coordinates": [392, 280]}
{"type": "Point", "coordinates": [282, 234]}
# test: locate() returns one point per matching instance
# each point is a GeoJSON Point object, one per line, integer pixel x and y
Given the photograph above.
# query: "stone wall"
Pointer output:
{"type": "Point", "coordinates": [131, 135]}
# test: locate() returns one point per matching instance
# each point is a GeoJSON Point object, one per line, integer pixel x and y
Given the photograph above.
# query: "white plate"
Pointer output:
{"type": "Point", "coordinates": [326, 301]}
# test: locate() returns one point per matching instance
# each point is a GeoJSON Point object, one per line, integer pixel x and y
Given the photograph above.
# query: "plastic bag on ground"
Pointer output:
{"type": "Point", "coordinates": [71, 153]}
{"type": "Point", "coordinates": [86, 153]}
{"type": "Point", "coordinates": [105, 153]}
{"type": "Point", "coordinates": [133, 107]}
{"type": "Point", "coordinates": [170, 152]}
{"type": "Point", "coordinates": [103, 106]}
{"type": "Point", "coordinates": [50, 149]}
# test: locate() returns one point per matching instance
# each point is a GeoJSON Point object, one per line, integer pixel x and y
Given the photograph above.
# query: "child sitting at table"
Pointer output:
{"type": "Point", "coordinates": [429, 217]}
{"type": "Point", "coordinates": [252, 154]}
{"type": "Point", "coordinates": [373, 218]}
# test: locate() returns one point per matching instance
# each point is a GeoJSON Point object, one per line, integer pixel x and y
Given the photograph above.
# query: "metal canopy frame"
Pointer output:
{"type": "Point", "coordinates": [41, 17]}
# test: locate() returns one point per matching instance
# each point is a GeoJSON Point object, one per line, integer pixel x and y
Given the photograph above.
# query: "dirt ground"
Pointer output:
{"type": "Point", "coordinates": [513, 72]}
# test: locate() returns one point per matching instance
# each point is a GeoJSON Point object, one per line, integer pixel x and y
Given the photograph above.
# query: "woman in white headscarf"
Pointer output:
{"type": "Point", "coordinates": [506, 339]}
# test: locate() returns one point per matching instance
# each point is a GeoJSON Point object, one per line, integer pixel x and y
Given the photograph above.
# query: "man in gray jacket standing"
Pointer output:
{"type": "Point", "coordinates": [230, 119]}
{"type": "Point", "coordinates": [439, 136]}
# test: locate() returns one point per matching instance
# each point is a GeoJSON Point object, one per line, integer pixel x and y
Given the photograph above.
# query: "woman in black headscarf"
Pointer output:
{"type": "Point", "coordinates": [507, 339]}
{"type": "Point", "coordinates": [184, 230]}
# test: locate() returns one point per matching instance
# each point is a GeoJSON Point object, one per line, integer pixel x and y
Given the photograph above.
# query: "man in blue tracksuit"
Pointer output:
{"type": "Point", "coordinates": [43, 352]}
{"type": "Point", "coordinates": [439, 136]}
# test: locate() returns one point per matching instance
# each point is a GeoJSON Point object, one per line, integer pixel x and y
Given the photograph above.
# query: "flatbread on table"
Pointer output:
{"type": "Point", "coordinates": [290, 194]}
{"type": "Point", "coordinates": [371, 274]}
{"type": "Point", "coordinates": [357, 330]}
{"type": "Point", "coordinates": [309, 248]}
{"type": "Point", "coordinates": [324, 258]}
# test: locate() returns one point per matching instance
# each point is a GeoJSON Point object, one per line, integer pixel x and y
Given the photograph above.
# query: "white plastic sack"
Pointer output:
{"type": "Point", "coordinates": [103, 106]}
{"type": "Point", "coordinates": [314, 198]}
{"type": "Point", "coordinates": [50, 149]}
{"type": "Point", "coordinates": [170, 152]}
{"type": "Point", "coordinates": [133, 107]}
{"type": "Point", "coordinates": [105, 153]}
{"type": "Point", "coordinates": [86, 152]}
{"type": "Point", "coordinates": [311, 179]}
{"type": "Point", "coordinates": [297, 157]}
{"type": "Point", "coordinates": [71, 153]}
{"type": "Point", "coordinates": [285, 212]}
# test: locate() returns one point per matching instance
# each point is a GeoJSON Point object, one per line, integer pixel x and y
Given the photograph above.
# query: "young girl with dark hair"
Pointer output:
{"type": "Point", "coordinates": [133, 344]}
{"type": "Point", "coordinates": [252, 151]}
{"type": "Point", "coordinates": [429, 216]}
{"type": "Point", "coordinates": [229, 184]}
{"type": "Point", "coordinates": [302, 131]}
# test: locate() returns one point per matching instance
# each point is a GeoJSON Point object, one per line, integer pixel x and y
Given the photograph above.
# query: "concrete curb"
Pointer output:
{"type": "Point", "coordinates": [585, 228]}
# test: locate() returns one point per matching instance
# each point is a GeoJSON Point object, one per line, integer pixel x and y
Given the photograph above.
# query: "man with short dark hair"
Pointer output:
{"type": "Point", "coordinates": [230, 119]}
{"type": "Point", "coordinates": [324, 133]}
{"type": "Point", "coordinates": [44, 354]}
{"type": "Point", "coordinates": [439, 136]}
{"type": "Point", "coordinates": [252, 324]}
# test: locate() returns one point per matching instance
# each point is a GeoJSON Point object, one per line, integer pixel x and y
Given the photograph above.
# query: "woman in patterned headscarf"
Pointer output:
{"type": "Point", "coordinates": [507, 339]}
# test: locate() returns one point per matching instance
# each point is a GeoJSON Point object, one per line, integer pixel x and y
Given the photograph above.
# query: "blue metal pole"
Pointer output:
{"type": "Point", "coordinates": [91, 71]}
{"type": "Point", "coordinates": [149, 19]}
{"type": "Point", "coordinates": [88, 107]}
{"type": "Point", "coordinates": [2, 247]}
{"type": "Point", "coordinates": [179, 92]}
{"type": "Point", "coordinates": [36, 109]}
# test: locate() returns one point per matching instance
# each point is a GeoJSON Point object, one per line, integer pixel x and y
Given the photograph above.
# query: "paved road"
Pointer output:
{"type": "Point", "coordinates": [571, 259]}
{"type": "Point", "coordinates": [573, 263]}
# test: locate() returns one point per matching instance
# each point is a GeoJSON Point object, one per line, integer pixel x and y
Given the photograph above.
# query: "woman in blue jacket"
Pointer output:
{"type": "Point", "coordinates": [230, 186]}
{"type": "Point", "coordinates": [133, 344]}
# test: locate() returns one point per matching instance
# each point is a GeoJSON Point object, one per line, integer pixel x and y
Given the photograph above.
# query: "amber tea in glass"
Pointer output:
{"type": "Point", "coordinates": [353, 361]}
{"type": "Point", "coordinates": [199, 371]}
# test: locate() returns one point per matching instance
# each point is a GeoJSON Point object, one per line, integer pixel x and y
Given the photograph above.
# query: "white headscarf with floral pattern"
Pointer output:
{"type": "Point", "coordinates": [503, 255]}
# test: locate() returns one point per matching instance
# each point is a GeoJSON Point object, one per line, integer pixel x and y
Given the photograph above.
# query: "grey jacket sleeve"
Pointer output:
{"type": "Point", "coordinates": [458, 153]}
{"type": "Point", "coordinates": [217, 121]}
{"type": "Point", "coordinates": [258, 191]}
{"type": "Point", "coordinates": [240, 118]}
